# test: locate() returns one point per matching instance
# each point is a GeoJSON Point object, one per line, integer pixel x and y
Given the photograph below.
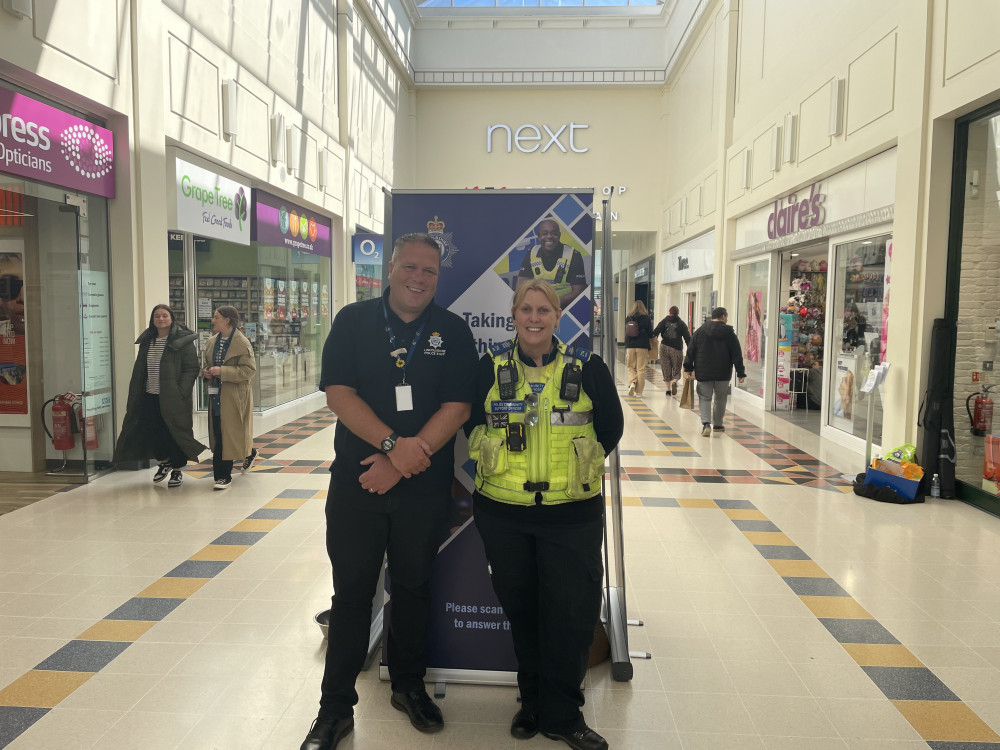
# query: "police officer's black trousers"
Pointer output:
{"type": "Point", "coordinates": [361, 529]}
{"type": "Point", "coordinates": [548, 579]}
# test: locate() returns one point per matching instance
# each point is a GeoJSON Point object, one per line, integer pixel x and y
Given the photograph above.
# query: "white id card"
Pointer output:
{"type": "Point", "coordinates": [404, 398]}
{"type": "Point", "coordinates": [213, 390]}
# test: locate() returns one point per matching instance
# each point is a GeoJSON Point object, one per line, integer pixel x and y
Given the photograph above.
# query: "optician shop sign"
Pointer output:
{"type": "Point", "coordinates": [281, 223]}
{"type": "Point", "coordinates": [43, 143]}
{"type": "Point", "coordinates": [211, 205]}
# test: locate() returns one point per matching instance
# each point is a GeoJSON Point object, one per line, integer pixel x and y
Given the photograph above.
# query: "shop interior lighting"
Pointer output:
{"type": "Point", "coordinates": [788, 144]}
{"type": "Point", "coordinates": [229, 108]}
{"type": "Point", "coordinates": [836, 107]}
{"type": "Point", "coordinates": [794, 255]}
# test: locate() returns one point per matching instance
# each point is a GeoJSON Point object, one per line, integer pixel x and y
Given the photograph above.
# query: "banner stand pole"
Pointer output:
{"type": "Point", "coordinates": [615, 610]}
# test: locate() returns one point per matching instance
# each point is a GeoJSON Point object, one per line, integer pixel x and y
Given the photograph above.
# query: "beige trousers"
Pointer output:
{"type": "Point", "coordinates": [635, 360]}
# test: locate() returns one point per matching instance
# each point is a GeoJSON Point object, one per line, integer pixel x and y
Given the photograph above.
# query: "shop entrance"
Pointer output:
{"type": "Point", "coordinates": [802, 349]}
{"type": "Point", "coordinates": [56, 397]}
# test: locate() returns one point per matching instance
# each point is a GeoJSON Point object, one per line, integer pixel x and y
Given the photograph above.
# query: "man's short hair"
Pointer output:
{"type": "Point", "coordinates": [719, 312]}
{"type": "Point", "coordinates": [420, 237]}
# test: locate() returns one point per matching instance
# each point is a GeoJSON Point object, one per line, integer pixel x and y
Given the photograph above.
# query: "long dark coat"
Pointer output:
{"type": "Point", "coordinates": [237, 397]}
{"type": "Point", "coordinates": [178, 371]}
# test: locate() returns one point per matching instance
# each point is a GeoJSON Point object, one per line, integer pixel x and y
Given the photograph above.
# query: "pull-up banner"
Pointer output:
{"type": "Point", "coordinates": [488, 239]}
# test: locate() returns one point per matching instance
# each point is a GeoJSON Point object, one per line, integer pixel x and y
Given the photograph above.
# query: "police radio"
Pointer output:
{"type": "Point", "coordinates": [572, 381]}
{"type": "Point", "coordinates": [507, 380]}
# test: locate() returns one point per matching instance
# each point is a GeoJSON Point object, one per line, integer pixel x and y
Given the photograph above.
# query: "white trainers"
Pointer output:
{"type": "Point", "coordinates": [223, 484]}
{"type": "Point", "coordinates": [161, 472]}
{"type": "Point", "coordinates": [176, 477]}
{"type": "Point", "coordinates": [706, 431]}
{"type": "Point", "coordinates": [631, 389]}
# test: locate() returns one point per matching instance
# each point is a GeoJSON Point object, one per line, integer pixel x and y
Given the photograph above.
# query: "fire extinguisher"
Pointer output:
{"type": "Point", "coordinates": [982, 415]}
{"type": "Point", "coordinates": [64, 423]}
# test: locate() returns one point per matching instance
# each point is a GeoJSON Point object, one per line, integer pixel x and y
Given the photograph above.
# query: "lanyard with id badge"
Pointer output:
{"type": "Point", "coordinates": [404, 393]}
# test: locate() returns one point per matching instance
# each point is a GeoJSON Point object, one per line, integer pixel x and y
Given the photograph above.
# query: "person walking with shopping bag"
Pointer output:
{"type": "Point", "coordinates": [228, 367]}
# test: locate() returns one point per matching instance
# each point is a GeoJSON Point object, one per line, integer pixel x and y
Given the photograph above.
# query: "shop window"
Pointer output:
{"type": "Point", "coordinates": [859, 328]}
{"type": "Point", "coordinates": [751, 322]}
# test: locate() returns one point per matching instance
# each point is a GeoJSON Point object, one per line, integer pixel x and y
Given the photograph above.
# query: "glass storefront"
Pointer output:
{"type": "Point", "coordinates": [751, 321]}
{"type": "Point", "coordinates": [859, 317]}
{"type": "Point", "coordinates": [974, 288]}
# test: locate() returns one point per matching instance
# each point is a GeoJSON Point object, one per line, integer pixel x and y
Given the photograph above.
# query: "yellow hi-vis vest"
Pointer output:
{"type": "Point", "coordinates": [558, 277]}
{"type": "Point", "coordinates": [562, 461]}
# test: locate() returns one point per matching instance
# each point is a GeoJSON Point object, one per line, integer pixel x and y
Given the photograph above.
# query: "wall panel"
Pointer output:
{"type": "Point", "coordinates": [871, 84]}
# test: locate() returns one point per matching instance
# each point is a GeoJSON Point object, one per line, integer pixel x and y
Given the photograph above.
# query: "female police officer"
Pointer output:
{"type": "Point", "coordinates": [544, 418]}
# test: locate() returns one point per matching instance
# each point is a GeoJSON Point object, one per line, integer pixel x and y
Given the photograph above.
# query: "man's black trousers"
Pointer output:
{"type": "Point", "coordinates": [547, 577]}
{"type": "Point", "coordinates": [361, 529]}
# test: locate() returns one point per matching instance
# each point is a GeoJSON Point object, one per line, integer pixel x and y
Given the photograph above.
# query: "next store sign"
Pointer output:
{"type": "Point", "coordinates": [211, 205]}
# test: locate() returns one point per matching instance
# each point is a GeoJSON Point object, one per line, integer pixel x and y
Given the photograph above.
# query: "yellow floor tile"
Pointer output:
{"type": "Point", "coordinates": [798, 569]}
{"type": "Point", "coordinates": [256, 524]}
{"type": "Point", "coordinates": [836, 606]}
{"type": "Point", "coordinates": [115, 630]}
{"type": "Point", "coordinates": [173, 588]}
{"type": "Point", "coordinates": [744, 514]}
{"type": "Point", "coordinates": [630, 500]}
{"type": "Point", "coordinates": [285, 503]}
{"type": "Point", "coordinates": [658, 453]}
{"type": "Point", "coordinates": [769, 537]}
{"type": "Point", "coordinates": [946, 721]}
{"type": "Point", "coordinates": [696, 502]}
{"type": "Point", "coordinates": [41, 688]}
{"type": "Point", "coordinates": [882, 655]}
{"type": "Point", "coordinates": [220, 552]}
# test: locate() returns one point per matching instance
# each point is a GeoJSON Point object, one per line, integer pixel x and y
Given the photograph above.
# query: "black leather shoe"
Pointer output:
{"type": "Point", "coordinates": [325, 735]}
{"type": "Point", "coordinates": [424, 713]}
{"type": "Point", "coordinates": [581, 739]}
{"type": "Point", "coordinates": [525, 724]}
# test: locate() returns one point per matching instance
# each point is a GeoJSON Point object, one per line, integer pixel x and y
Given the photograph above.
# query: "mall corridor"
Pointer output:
{"type": "Point", "coordinates": [781, 611]}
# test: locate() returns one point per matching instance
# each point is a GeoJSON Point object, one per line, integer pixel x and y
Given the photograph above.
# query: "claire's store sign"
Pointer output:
{"type": "Point", "coordinates": [793, 215]}
{"type": "Point", "coordinates": [211, 205]}
{"type": "Point", "coordinates": [43, 143]}
{"type": "Point", "coordinates": [278, 222]}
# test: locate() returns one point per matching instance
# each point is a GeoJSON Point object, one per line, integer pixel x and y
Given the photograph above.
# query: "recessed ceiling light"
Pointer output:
{"type": "Point", "coordinates": [795, 255]}
{"type": "Point", "coordinates": [867, 242]}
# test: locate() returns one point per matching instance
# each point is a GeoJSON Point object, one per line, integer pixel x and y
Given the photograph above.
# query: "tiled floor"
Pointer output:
{"type": "Point", "coordinates": [781, 611]}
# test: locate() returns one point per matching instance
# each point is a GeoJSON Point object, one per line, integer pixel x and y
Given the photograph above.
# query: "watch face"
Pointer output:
{"type": "Point", "coordinates": [388, 444]}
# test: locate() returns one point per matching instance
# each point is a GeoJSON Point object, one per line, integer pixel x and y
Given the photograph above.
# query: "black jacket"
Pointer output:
{"type": "Point", "coordinates": [178, 372]}
{"type": "Point", "coordinates": [714, 351]}
{"type": "Point", "coordinates": [641, 341]}
{"type": "Point", "coordinates": [682, 332]}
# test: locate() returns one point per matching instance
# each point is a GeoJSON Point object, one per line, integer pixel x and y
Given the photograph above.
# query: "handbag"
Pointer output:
{"type": "Point", "coordinates": [687, 393]}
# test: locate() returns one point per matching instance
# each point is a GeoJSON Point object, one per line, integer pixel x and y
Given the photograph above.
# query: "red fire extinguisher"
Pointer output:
{"type": "Point", "coordinates": [64, 423]}
{"type": "Point", "coordinates": [982, 415]}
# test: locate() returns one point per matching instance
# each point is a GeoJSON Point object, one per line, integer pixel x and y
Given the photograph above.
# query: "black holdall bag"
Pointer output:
{"type": "Point", "coordinates": [937, 415]}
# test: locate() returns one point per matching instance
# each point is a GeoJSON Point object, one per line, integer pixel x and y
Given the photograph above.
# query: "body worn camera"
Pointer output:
{"type": "Point", "coordinates": [572, 382]}
{"type": "Point", "coordinates": [516, 441]}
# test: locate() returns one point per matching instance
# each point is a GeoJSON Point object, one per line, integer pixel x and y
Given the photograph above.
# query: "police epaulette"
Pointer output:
{"type": "Point", "coordinates": [578, 352]}
{"type": "Point", "coordinates": [501, 347]}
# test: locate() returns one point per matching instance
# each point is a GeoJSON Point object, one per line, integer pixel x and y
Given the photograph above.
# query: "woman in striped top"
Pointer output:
{"type": "Point", "coordinates": [159, 415]}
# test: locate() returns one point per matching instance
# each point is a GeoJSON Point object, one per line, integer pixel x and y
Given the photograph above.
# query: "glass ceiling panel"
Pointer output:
{"type": "Point", "coordinates": [456, 4]}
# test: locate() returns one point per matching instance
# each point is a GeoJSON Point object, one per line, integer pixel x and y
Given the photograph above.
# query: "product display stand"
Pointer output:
{"type": "Point", "coordinates": [875, 379]}
{"type": "Point", "coordinates": [615, 610]}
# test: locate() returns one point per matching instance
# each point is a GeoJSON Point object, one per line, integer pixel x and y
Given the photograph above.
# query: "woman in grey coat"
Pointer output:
{"type": "Point", "coordinates": [158, 417]}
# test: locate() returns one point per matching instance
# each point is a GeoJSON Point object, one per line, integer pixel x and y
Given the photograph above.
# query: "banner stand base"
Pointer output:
{"type": "Point", "coordinates": [621, 666]}
{"type": "Point", "coordinates": [440, 677]}
{"type": "Point", "coordinates": [374, 638]}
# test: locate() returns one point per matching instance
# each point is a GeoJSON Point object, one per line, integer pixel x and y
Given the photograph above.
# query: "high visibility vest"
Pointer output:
{"type": "Point", "coordinates": [558, 277]}
{"type": "Point", "coordinates": [562, 460]}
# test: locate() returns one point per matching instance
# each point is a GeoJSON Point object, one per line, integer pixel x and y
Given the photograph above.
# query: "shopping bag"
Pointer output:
{"type": "Point", "coordinates": [687, 394]}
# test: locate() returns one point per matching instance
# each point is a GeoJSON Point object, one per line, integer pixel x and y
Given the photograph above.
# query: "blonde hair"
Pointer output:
{"type": "Point", "coordinates": [535, 285]}
{"type": "Point", "coordinates": [639, 309]}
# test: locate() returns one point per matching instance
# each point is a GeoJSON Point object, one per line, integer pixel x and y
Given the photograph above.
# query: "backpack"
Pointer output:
{"type": "Point", "coordinates": [631, 329]}
{"type": "Point", "coordinates": [671, 330]}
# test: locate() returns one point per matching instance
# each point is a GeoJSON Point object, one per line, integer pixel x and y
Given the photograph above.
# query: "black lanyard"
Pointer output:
{"type": "Point", "coordinates": [393, 350]}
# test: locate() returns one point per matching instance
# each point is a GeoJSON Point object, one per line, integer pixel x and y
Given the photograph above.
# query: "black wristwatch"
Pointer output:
{"type": "Point", "coordinates": [390, 442]}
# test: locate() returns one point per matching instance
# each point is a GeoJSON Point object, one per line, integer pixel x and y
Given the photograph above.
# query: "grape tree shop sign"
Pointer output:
{"type": "Point", "coordinates": [211, 205]}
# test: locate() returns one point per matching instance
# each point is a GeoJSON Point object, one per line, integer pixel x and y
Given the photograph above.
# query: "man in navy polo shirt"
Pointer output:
{"type": "Point", "coordinates": [399, 372]}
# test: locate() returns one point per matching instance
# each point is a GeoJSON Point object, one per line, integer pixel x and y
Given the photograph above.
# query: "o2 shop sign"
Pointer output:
{"type": "Point", "coordinates": [528, 138]}
{"type": "Point", "coordinates": [797, 215]}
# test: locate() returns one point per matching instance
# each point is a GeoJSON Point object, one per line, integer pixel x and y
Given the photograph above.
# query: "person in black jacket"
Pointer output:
{"type": "Point", "coordinates": [159, 415]}
{"type": "Point", "coordinates": [712, 354]}
{"type": "Point", "coordinates": [637, 338]}
{"type": "Point", "coordinates": [673, 333]}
